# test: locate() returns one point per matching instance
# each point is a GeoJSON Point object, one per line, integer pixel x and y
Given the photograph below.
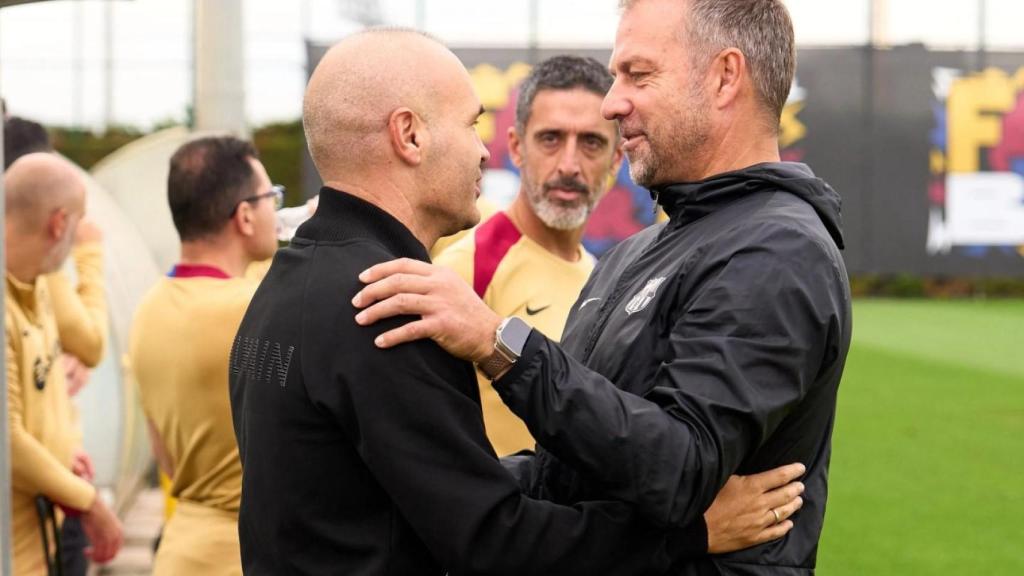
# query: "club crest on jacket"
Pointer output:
{"type": "Point", "coordinates": [644, 296]}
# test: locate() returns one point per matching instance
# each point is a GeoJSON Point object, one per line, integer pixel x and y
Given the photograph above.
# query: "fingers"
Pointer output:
{"type": "Point", "coordinates": [397, 305]}
{"type": "Point", "coordinates": [109, 545]}
{"type": "Point", "coordinates": [400, 266]}
{"type": "Point", "coordinates": [400, 283]}
{"type": "Point", "coordinates": [406, 333]}
{"type": "Point", "coordinates": [778, 477]}
{"type": "Point", "coordinates": [104, 532]}
{"type": "Point", "coordinates": [87, 468]}
{"type": "Point", "coordinates": [784, 495]}
{"type": "Point", "coordinates": [101, 552]}
{"type": "Point", "coordinates": [790, 508]}
{"type": "Point", "coordinates": [774, 532]}
{"type": "Point", "coordinates": [97, 553]}
{"type": "Point", "coordinates": [388, 286]}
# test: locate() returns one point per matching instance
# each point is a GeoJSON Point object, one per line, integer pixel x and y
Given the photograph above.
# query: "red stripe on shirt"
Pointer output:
{"type": "Point", "coordinates": [197, 271]}
{"type": "Point", "coordinates": [494, 238]}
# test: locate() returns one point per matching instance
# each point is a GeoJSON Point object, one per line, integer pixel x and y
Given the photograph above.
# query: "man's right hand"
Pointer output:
{"type": "Point", "coordinates": [752, 510]}
{"type": "Point", "coordinates": [104, 532]}
{"type": "Point", "coordinates": [87, 232]}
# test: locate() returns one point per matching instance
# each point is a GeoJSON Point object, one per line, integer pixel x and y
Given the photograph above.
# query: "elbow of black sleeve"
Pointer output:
{"type": "Point", "coordinates": [519, 465]}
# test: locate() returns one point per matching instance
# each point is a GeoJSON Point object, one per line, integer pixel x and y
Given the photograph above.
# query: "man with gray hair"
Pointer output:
{"type": "Point", "coordinates": [358, 460]}
{"type": "Point", "coordinates": [709, 345]}
{"type": "Point", "coordinates": [528, 260]}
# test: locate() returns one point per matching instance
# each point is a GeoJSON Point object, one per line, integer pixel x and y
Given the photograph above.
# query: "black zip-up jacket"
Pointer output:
{"type": "Point", "coordinates": [709, 345]}
{"type": "Point", "coordinates": [362, 461]}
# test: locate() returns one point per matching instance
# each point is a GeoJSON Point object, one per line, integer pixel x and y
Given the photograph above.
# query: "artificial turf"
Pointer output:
{"type": "Point", "coordinates": [927, 473]}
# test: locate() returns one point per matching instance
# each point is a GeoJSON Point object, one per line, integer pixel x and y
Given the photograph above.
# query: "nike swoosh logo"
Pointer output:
{"type": "Point", "coordinates": [532, 311]}
{"type": "Point", "coordinates": [588, 301]}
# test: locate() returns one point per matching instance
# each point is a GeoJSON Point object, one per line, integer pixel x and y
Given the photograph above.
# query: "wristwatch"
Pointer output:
{"type": "Point", "coordinates": [509, 341]}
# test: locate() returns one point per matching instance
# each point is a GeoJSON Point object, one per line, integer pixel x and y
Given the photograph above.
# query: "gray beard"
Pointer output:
{"type": "Point", "coordinates": [559, 217]}
{"type": "Point", "coordinates": [643, 172]}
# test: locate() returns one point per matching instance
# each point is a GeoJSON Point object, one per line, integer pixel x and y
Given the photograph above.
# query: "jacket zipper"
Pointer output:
{"type": "Point", "coordinates": [604, 313]}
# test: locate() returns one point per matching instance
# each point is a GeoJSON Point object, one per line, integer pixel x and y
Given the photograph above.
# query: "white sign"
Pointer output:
{"type": "Point", "coordinates": [985, 208]}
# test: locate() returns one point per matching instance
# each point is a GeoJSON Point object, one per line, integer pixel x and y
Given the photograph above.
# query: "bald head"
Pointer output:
{"type": "Point", "coordinates": [45, 199]}
{"type": "Point", "coordinates": [360, 82]}
{"type": "Point", "coordinates": [37, 185]}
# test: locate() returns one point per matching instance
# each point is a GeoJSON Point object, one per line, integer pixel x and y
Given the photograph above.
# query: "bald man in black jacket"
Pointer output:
{"type": "Point", "coordinates": [359, 460]}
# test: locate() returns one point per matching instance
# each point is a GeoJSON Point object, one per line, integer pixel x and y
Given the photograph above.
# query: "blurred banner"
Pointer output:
{"type": "Point", "coordinates": [926, 151]}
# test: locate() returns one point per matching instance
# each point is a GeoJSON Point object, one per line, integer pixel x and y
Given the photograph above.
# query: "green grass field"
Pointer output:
{"type": "Point", "coordinates": [927, 473]}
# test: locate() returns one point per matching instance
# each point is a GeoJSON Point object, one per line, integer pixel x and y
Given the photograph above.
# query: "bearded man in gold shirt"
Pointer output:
{"type": "Point", "coordinates": [45, 200]}
{"type": "Point", "coordinates": [528, 260]}
{"type": "Point", "coordinates": [223, 207]}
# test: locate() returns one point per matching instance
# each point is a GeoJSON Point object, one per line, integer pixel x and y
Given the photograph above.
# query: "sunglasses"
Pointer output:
{"type": "Point", "coordinates": [276, 192]}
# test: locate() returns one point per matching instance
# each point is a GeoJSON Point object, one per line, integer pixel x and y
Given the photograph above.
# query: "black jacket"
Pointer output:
{"type": "Point", "coordinates": [709, 345]}
{"type": "Point", "coordinates": [363, 461]}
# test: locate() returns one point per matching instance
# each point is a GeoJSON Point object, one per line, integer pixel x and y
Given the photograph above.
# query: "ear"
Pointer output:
{"type": "Point", "coordinates": [244, 219]}
{"type": "Point", "coordinates": [407, 134]}
{"type": "Point", "coordinates": [515, 151]}
{"type": "Point", "coordinates": [57, 224]}
{"type": "Point", "coordinates": [729, 71]}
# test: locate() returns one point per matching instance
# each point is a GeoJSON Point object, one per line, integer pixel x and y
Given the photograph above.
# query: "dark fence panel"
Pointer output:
{"type": "Point", "coordinates": [926, 150]}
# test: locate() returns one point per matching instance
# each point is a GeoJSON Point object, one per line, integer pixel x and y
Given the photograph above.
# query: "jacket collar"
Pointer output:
{"type": "Point", "coordinates": [25, 296]}
{"type": "Point", "coordinates": [686, 202]}
{"type": "Point", "coordinates": [340, 216]}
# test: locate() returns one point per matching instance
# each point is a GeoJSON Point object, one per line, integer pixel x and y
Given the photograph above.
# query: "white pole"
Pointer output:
{"type": "Point", "coordinates": [77, 67]}
{"type": "Point", "coordinates": [219, 83]}
{"type": "Point", "coordinates": [982, 35]}
{"type": "Point", "coordinates": [108, 65]}
{"type": "Point", "coordinates": [307, 20]}
{"type": "Point", "coordinates": [6, 566]}
{"type": "Point", "coordinates": [879, 24]}
{"type": "Point", "coordinates": [534, 17]}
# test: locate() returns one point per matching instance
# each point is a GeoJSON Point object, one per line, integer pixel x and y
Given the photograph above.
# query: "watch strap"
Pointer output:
{"type": "Point", "coordinates": [495, 364]}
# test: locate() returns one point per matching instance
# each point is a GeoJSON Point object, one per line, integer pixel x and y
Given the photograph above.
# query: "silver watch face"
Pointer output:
{"type": "Point", "coordinates": [512, 336]}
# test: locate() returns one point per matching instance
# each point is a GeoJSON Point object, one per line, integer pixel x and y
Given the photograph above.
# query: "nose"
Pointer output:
{"type": "Point", "coordinates": [615, 105]}
{"type": "Point", "coordinates": [568, 160]}
{"type": "Point", "coordinates": [485, 154]}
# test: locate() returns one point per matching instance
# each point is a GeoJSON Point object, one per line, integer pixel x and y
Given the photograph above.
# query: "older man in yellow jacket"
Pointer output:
{"type": "Point", "coordinates": [45, 200]}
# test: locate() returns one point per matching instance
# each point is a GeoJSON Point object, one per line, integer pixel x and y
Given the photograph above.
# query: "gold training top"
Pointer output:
{"type": "Point", "coordinates": [43, 438]}
{"type": "Point", "coordinates": [180, 345]}
{"type": "Point", "coordinates": [515, 276]}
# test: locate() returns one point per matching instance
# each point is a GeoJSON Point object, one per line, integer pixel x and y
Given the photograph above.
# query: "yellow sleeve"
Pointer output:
{"type": "Point", "coordinates": [82, 313]}
{"type": "Point", "coordinates": [34, 469]}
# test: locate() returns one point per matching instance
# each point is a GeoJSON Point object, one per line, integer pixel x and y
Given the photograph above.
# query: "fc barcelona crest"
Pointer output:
{"type": "Point", "coordinates": [644, 296]}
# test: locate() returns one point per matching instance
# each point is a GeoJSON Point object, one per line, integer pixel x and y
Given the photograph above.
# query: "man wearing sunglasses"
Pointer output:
{"type": "Point", "coordinates": [223, 205]}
